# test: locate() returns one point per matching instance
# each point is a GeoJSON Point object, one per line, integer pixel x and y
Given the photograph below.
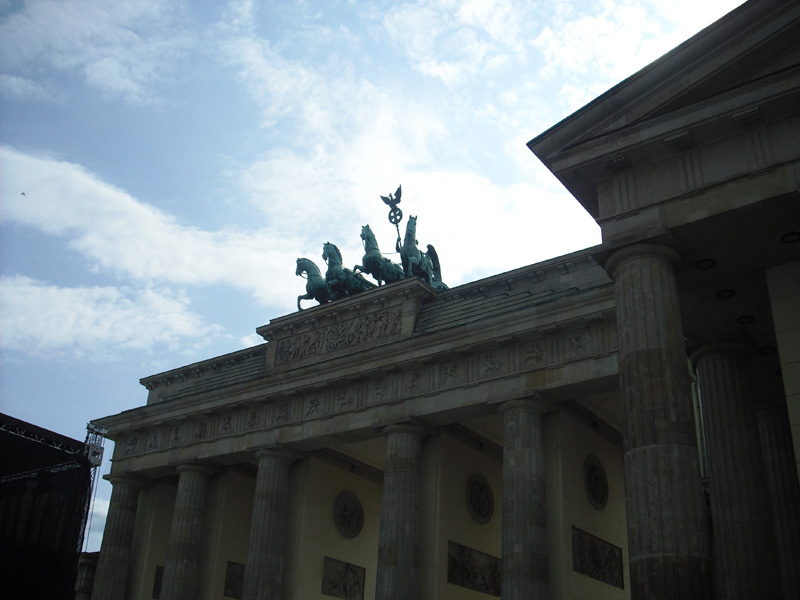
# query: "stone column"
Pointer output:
{"type": "Point", "coordinates": [667, 526]}
{"type": "Point", "coordinates": [745, 562]}
{"type": "Point", "coordinates": [263, 573]}
{"type": "Point", "coordinates": [113, 564]}
{"type": "Point", "coordinates": [525, 565]}
{"type": "Point", "coordinates": [183, 567]}
{"type": "Point", "coordinates": [784, 491]}
{"type": "Point", "coordinates": [398, 575]}
{"type": "Point", "coordinates": [84, 582]}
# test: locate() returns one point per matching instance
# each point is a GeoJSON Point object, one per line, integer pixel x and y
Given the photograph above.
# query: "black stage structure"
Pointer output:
{"type": "Point", "coordinates": [45, 488]}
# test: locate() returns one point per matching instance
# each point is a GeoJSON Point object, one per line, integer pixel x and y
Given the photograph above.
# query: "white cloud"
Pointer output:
{"type": "Point", "coordinates": [23, 88]}
{"type": "Point", "coordinates": [95, 322]}
{"type": "Point", "coordinates": [124, 49]}
{"type": "Point", "coordinates": [455, 44]}
{"type": "Point", "coordinates": [121, 235]}
{"type": "Point", "coordinates": [611, 40]}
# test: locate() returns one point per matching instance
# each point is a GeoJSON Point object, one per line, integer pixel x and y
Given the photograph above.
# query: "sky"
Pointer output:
{"type": "Point", "coordinates": [163, 163]}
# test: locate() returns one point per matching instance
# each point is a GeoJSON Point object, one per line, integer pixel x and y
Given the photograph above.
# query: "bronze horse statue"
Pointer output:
{"type": "Point", "coordinates": [316, 286]}
{"type": "Point", "coordinates": [381, 268]}
{"type": "Point", "coordinates": [342, 282]}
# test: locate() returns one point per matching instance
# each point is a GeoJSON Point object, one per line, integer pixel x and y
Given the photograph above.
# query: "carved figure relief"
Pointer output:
{"type": "Point", "coordinates": [341, 401]}
{"type": "Point", "coordinates": [253, 418]}
{"type": "Point", "coordinates": [379, 389]}
{"type": "Point", "coordinates": [492, 365]}
{"type": "Point", "coordinates": [281, 413]}
{"type": "Point", "coordinates": [339, 336]}
{"type": "Point", "coordinates": [348, 514]}
{"type": "Point", "coordinates": [225, 424]}
{"type": "Point", "coordinates": [473, 570]}
{"type": "Point", "coordinates": [312, 410]}
{"type": "Point", "coordinates": [534, 353]}
{"type": "Point", "coordinates": [176, 437]}
{"type": "Point", "coordinates": [451, 373]}
{"type": "Point", "coordinates": [597, 558]}
{"type": "Point", "coordinates": [342, 580]}
{"type": "Point", "coordinates": [480, 500]}
{"type": "Point", "coordinates": [201, 430]}
{"type": "Point", "coordinates": [131, 445]}
{"type": "Point", "coordinates": [153, 442]}
{"type": "Point", "coordinates": [413, 385]}
{"type": "Point", "coordinates": [575, 347]}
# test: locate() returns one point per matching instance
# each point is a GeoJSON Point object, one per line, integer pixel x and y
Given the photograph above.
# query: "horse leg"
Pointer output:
{"type": "Point", "coordinates": [305, 297]}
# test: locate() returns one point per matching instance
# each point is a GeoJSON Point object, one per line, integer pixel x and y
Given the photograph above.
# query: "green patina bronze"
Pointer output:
{"type": "Point", "coordinates": [376, 264]}
{"type": "Point", "coordinates": [340, 282]}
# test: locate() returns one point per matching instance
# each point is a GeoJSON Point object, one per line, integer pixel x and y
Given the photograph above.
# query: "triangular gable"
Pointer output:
{"type": "Point", "coordinates": [758, 40]}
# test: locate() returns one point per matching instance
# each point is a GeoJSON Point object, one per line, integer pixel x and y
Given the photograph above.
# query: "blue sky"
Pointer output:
{"type": "Point", "coordinates": [163, 164]}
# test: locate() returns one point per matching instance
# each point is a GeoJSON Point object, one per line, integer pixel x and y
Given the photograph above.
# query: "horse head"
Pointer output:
{"type": "Point", "coordinates": [331, 253]}
{"type": "Point", "coordinates": [305, 265]}
{"type": "Point", "coordinates": [369, 240]}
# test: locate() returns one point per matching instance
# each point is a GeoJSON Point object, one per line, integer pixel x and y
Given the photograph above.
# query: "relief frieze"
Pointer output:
{"type": "Point", "coordinates": [255, 418]}
{"type": "Point", "coordinates": [426, 377]}
{"type": "Point", "coordinates": [493, 365]}
{"type": "Point", "coordinates": [474, 570]}
{"type": "Point", "coordinates": [339, 336]}
{"type": "Point", "coordinates": [596, 558]}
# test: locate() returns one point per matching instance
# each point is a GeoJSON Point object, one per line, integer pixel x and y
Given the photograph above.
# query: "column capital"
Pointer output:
{"type": "Point", "coordinates": [536, 403]}
{"type": "Point", "coordinates": [196, 467]}
{"type": "Point", "coordinates": [125, 479]}
{"type": "Point", "coordinates": [404, 428]}
{"type": "Point", "coordinates": [635, 251]}
{"type": "Point", "coordinates": [276, 452]}
{"type": "Point", "coordinates": [720, 347]}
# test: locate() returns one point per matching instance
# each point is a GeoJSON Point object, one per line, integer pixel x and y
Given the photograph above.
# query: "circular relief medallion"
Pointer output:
{"type": "Point", "coordinates": [594, 478]}
{"type": "Point", "coordinates": [348, 514]}
{"type": "Point", "coordinates": [480, 500]}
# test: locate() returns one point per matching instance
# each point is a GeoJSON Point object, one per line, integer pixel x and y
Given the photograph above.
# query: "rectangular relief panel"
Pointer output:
{"type": "Point", "coordinates": [342, 580]}
{"type": "Point", "coordinates": [473, 570]}
{"type": "Point", "coordinates": [596, 558]}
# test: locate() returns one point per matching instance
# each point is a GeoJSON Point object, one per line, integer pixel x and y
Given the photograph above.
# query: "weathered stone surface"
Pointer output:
{"type": "Point", "coordinates": [398, 546]}
{"type": "Point", "coordinates": [184, 564]}
{"type": "Point", "coordinates": [111, 577]}
{"type": "Point", "coordinates": [744, 557]}
{"type": "Point", "coordinates": [525, 561]}
{"type": "Point", "coordinates": [784, 491]}
{"type": "Point", "coordinates": [263, 574]}
{"type": "Point", "coordinates": [667, 529]}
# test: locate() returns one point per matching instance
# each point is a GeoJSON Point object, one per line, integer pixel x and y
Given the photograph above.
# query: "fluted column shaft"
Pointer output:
{"type": "Point", "coordinates": [263, 573]}
{"type": "Point", "coordinates": [524, 543]}
{"type": "Point", "coordinates": [183, 567]}
{"type": "Point", "coordinates": [398, 575]}
{"type": "Point", "coordinates": [744, 544]}
{"type": "Point", "coordinates": [784, 491]}
{"type": "Point", "coordinates": [667, 525]}
{"type": "Point", "coordinates": [113, 564]}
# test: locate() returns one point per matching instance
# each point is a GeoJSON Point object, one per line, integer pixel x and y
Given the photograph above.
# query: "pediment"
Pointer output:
{"type": "Point", "coordinates": [753, 42]}
{"type": "Point", "coordinates": [749, 58]}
